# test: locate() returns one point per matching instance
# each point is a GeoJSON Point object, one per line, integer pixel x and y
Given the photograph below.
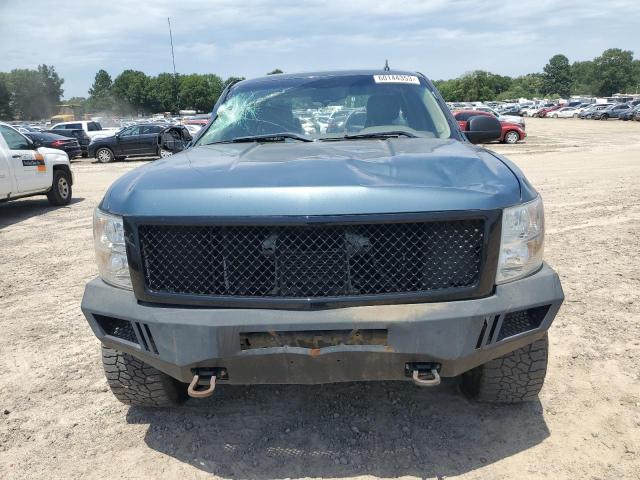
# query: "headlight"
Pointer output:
{"type": "Point", "coordinates": [111, 253]}
{"type": "Point", "coordinates": [522, 242]}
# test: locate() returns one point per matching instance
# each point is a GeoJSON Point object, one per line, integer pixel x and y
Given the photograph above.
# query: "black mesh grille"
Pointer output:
{"type": "Point", "coordinates": [312, 261]}
{"type": "Point", "coordinates": [522, 321]}
{"type": "Point", "coordinates": [116, 327]}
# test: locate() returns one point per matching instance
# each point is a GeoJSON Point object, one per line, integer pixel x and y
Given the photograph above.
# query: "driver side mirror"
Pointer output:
{"type": "Point", "coordinates": [33, 144]}
{"type": "Point", "coordinates": [482, 128]}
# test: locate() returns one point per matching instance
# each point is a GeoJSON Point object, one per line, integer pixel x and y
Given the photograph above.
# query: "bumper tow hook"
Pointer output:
{"type": "Point", "coordinates": [430, 382]}
{"type": "Point", "coordinates": [423, 374]}
{"type": "Point", "coordinates": [209, 382]}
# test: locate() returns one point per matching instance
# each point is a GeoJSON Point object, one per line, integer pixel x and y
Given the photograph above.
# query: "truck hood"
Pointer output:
{"type": "Point", "coordinates": [319, 178]}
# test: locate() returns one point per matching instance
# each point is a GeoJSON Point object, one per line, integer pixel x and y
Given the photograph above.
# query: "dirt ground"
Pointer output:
{"type": "Point", "coordinates": [58, 419]}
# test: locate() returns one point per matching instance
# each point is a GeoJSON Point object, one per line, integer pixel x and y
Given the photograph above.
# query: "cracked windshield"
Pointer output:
{"type": "Point", "coordinates": [328, 108]}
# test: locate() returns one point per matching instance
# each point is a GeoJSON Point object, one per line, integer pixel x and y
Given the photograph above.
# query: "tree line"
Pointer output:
{"type": "Point", "coordinates": [30, 94]}
{"type": "Point", "coordinates": [34, 94]}
{"type": "Point", "coordinates": [133, 92]}
{"type": "Point", "coordinates": [615, 71]}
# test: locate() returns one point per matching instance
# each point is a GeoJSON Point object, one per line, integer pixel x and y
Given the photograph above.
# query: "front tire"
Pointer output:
{"type": "Point", "coordinates": [133, 382]}
{"type": "Point", "coordinates": [515, 377]}
{"type": "Point", "coordinates": [511, 137]}
{"type": "Point", "coordinates": [163, 153]}
{"type": "Point", "coordinates": [60, 193]}
{"type": "Point", "coordinates": [104, 155]}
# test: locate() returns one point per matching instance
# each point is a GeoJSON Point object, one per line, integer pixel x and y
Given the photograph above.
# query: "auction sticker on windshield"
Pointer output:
{"type": "Point", "coordinates": [396, 79]}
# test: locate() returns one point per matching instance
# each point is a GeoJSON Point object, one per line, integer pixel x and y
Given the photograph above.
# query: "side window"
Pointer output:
{"type": "Point", "coordinates": [148, 129]}
{"type": "Point", "coordinates": [74, 126]}
{"type": "Point", "coordinates": [129, 131]}
{"type": "Point", "coordinates": [14, 139]}
{"type": "Point", "coordinates": [93, 127]}
{"type": "Point", "coordinates": [59, 127]}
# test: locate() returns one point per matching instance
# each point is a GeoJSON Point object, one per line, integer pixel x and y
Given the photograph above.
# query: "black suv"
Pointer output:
{"type": "Point", "coordinates": [138, 140]}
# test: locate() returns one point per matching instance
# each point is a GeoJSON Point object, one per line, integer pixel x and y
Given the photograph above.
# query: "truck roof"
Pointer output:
{"type": "Point", "coordinates": [330, 73]}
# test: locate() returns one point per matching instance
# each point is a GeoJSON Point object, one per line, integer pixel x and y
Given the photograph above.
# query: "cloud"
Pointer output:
{"type": "Point", "coordinates": [249, 38]}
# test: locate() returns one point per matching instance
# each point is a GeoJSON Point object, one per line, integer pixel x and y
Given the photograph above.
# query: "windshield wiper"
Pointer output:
{"type": "Point", "coordinates": [270, 137]}
{"type": "Point", "coordinates": [389, 134]}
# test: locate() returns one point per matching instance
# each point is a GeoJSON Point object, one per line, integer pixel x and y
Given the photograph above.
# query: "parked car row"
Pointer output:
{"type": "Point", "coordinates": [596, 111]}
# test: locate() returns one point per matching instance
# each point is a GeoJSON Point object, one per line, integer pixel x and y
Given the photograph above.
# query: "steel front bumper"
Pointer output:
{"type": "Point", "coordinates": [458, 335]}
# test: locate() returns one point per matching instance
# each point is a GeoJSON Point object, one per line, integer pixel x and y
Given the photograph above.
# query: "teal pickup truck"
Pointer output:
{"type": "Point", "coordinates": [273, 251]}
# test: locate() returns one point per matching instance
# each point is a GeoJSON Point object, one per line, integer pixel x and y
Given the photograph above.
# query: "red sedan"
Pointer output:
{"type": "Point", "coordinates": [511, 132]}
{"type": "Point", "coordinates": [544, 112]}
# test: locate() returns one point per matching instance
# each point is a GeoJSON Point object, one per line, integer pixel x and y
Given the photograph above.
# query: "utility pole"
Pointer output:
{"type": "Point", "coordinates": [175, 76]}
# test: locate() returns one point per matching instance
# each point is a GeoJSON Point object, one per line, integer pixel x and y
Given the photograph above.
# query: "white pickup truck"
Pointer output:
{"type": "Point", "coordinates": [92, 129]}
{"type": "Point", "coordinates": [27, 170]}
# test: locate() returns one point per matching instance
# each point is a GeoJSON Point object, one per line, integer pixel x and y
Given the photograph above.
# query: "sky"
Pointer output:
{"type": "Point", "coordinates": [442, 39]}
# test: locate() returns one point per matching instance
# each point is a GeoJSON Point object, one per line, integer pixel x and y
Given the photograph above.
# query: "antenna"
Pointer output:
{"type": "Point", "coordinates": [173, 59]}
{"type": "Point", "coordinates": [386, 66]}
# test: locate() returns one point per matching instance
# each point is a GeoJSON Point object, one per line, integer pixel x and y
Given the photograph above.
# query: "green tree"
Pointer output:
{"type": "Point", "coordinates": [52, 87]}
{"type": "Point", "coordinates": [477, 86]}
{"type": "Point", "coordinates": [100, 95]}
{"type": "Point", "coordinates": [6, 111]}
{"type": "Point", "coordinates": [473, 86]}
{"type": "Point", "coordinates": [274, 72]}
{"type": "Point", "coordinates": [28, 100]}
{"type": "Point", "coordinates": [613, 71]}
{"type": "Point", "coordinates": [132, 92]}
{"type": "Point", "coordinates": [557, 76]}
{"type": "Point", "coordinates": [165, 91]}
{"type": "Point", "coordinates": [35, 94]}
{"type": "Point", "coordinates": [583, 78]}
{"type": "Point", "coordinates": [200, 92]}
{"type": "Point", "coordinates": [449, 89]}
{"type": "Point", "coordinates": [524, 86]}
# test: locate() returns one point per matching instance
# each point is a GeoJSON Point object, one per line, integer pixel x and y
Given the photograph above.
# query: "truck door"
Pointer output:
{"type": "Point", "coordinates": [28, 164]}
{"type": "Point", "coordinates": [129, 141]}
{"type": "Point", "coordinates": [149, 139]}
{"type": "Point", "coordinates": [5, 170]}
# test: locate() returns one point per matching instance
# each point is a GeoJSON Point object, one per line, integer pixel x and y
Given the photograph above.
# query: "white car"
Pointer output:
{"type": "Point", "coordinates": [502, 118]}
{"type": "Point", "coordinates": [26, 170]}
{"type": "Point", "coordinates": [531, 111]}
{"type": "Point", "coordinates": [564, 112]}
{"type": "Point", "coordinates": [92, 129]}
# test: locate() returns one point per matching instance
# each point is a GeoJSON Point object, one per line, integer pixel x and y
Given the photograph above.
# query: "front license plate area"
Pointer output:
{"type": "Point", "coordinates": [313, 339]}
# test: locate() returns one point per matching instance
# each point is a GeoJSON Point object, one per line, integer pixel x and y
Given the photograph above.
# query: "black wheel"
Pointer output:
{"type": "Point", "coordinates": [515, 377]}
{"type": "Point", "coordinates": [133, 382]}
{"type": "Point", "coordinates": [604, 116]}
{"type": "Point", "coordinates": [104, 155]}
{"type": "Point", "coordinates": [511, 137]}
{"type": "Point", "coordinates": [60, 193]}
